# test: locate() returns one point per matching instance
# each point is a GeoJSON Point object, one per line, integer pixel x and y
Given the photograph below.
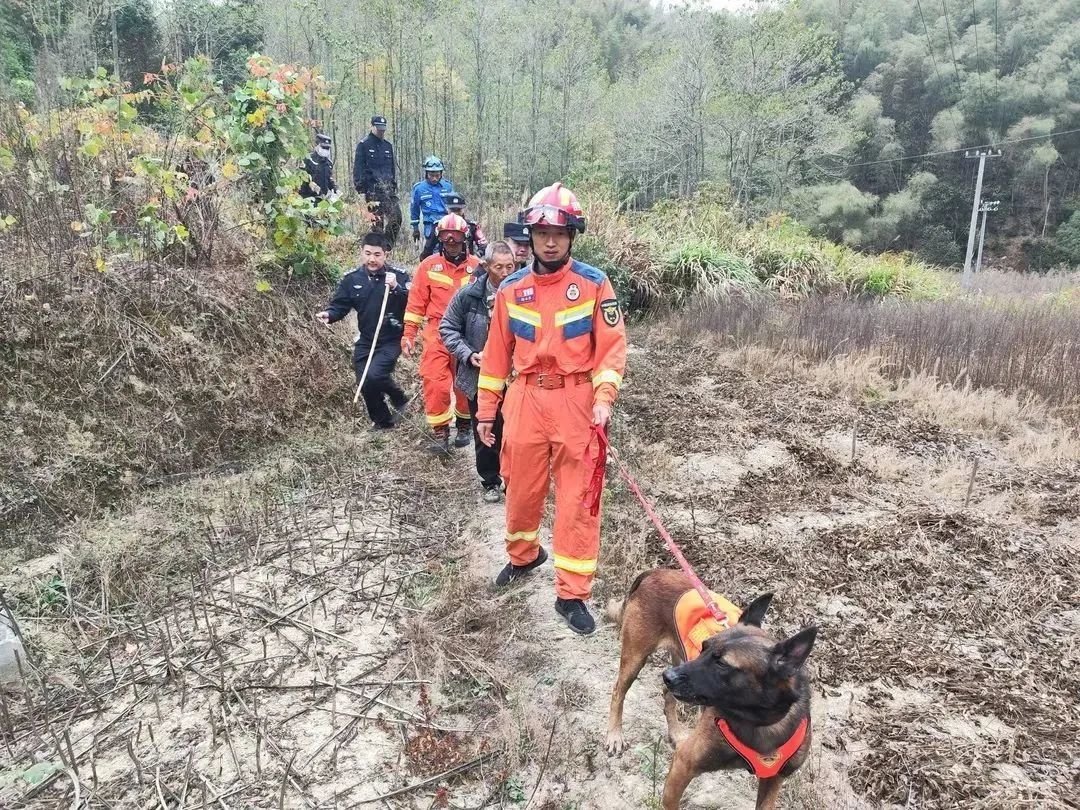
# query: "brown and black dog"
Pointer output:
{"type": "Point", "coordinates": [753, 684]}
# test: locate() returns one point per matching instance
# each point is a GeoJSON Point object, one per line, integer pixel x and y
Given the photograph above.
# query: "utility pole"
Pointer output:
{"type": "Point", "coordinates": [985, 208]}
{"type": "Point", "coordinates": [982, 155]}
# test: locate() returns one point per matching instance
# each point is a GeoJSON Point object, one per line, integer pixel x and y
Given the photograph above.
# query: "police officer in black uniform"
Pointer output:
{"type": "Point", "coordinates": [320, 168]}
{"type": "Point", "coordinates": [362, 292]}
{"type": "Point", "coordinates": [375, 176]}
{"type": "Point", "coordinates": [518, 236]}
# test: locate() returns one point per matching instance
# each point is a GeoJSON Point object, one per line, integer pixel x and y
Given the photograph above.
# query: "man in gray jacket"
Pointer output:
{"type": "Point", "coordinates": [464, 331]}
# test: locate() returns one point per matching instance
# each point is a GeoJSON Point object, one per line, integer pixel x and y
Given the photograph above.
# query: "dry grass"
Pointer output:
{"type": "Point", "coordinates": [1020, 349]}
{"type": "Point", "coordinates": [122, 381]}
{"type": "Point", "coordinates": [945, 659]}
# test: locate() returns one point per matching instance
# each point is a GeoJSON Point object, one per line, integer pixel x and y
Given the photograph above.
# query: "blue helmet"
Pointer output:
{"type": "Point", "coordinates": [433, 164]}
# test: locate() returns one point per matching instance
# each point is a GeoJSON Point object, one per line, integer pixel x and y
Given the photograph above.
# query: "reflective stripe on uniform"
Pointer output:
{"type": "Point", "coordinates": [412, 317]}
{"type": "Point", "coordinates": [528, 537]}
{"type": "Point", "coordinates": [496, 384]}
{"type": "Point", "coordinates": [462, 415]}
{"type": "Point", "coordinates": [576, 313]}
{"type": "Point", "coordinates": [575, 566]}
{"type": "Point", "coordinates": [529, 316]}
{"type": "Point", "coordinates": [609, 376]}
{"type": "Point", "coordinates": [439, 418]}
{"type": "Point", "coordinates": [441, 278]}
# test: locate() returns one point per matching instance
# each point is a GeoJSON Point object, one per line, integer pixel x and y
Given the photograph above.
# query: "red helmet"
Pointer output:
{"type": "Point", "coordinates": [554, 205]}
{"type": "Point", "coordinates": [451, 222]}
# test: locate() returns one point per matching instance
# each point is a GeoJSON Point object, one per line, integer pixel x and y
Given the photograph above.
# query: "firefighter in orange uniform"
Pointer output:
{"type": "Point", "coordinates": [437, 279]}
{"type": "Point", "coordinates": [557, 324]}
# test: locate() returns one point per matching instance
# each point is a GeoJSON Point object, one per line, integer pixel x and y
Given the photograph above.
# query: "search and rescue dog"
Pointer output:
{"type": "Point", "coordinates": [754, 695]}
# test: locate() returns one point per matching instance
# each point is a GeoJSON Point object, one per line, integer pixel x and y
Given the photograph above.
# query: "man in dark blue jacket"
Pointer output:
{"type": "Point", "coordinates": [375, 176]}
{"type": "Point", "coordinates": [362, 292]}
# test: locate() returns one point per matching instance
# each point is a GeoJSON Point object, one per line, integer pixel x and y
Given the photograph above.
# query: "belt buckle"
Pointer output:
{"type": "Point", "coordinates": [542, 380]}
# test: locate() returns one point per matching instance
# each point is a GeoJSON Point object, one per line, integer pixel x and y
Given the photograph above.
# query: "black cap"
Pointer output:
{"type": "Point", "coordinates": [453, 200]}
{"type": "Point", "coordinates": [378, 121]}
{"type": "Point", "coordinates": [515, 232]}
{"type": "Point", "coordinates": [323, 140]}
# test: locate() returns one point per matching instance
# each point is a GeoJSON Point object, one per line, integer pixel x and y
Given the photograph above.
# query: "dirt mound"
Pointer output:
{"type": "Point", "coordinates": [123, 380]}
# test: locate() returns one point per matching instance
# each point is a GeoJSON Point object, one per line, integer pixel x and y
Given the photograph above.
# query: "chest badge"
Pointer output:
{"type": "Point", "coordinates": [573, 292]}
{"type": "Point", "coordinates": [525, 296]}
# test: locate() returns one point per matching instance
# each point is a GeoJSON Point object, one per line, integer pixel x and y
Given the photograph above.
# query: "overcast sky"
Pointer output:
{"type": "Point", "coordinates": [729, 5]}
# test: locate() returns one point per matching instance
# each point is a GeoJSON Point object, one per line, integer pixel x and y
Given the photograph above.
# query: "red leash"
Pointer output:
{"type": "Point", "coordinates": [591, 502]}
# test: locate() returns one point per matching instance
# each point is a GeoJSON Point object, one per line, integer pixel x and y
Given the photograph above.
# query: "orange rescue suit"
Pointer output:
{"type": "Point", "coordinates": [437, 280]}
{"type": "Point", "coordinates": [562, 336]}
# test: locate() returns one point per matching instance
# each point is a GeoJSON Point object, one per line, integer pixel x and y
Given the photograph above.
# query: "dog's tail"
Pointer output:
{"type": "Point", "coordinates": [615, 610]}
{"type": "Point", "coordinates": [615, 607]}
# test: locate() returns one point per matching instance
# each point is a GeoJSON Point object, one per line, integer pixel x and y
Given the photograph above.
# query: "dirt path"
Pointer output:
{"type": "Point", "coordinates": [571, 686]}
{"type": "Point", "coordinates": [342, 641]}
{"type": "Point", "coordinates": [568, 682]}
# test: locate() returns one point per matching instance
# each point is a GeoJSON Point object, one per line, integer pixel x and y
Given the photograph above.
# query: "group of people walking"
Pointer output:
{"type": "Point", "coordinates": [375, 179]}
{"type": "Point", "coordinates": [521, 347]}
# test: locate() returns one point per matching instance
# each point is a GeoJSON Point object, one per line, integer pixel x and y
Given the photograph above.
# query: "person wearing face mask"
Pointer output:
{"type": "Point", "coordinates": [320, 168]}
{"type": "Point", "coordinates": [557, 325]}
{"type": "Point", "coordinates": [464, 331]}
{"type": "Point", "coordinates": [437, 279]}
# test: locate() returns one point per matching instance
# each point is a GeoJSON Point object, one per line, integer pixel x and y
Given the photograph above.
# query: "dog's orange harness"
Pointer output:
{"type": "Point", "coordinates": [695, 621]}
{"type": "Point", "coordinates": [765, 766]}
{"type": "Point", "coordinates": [695, 624]}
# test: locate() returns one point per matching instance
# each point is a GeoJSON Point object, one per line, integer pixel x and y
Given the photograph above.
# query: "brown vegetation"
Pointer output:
{"type": "Point", "coordinates": [1023, 347]}
{"type": "Point", "coordinates": [945, 592]}
{"type": "Point", "coordinates": [119, 381]}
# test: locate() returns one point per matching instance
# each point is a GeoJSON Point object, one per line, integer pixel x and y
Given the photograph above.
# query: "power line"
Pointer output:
{"type": "Point", "coordinates": [929, 45]}
{"type": "Point", "coordinates": [962, 149]}
{"type": "Point", "coordinates": [948, 30]}
{"type": "Point", "coordinates": [975, 28]}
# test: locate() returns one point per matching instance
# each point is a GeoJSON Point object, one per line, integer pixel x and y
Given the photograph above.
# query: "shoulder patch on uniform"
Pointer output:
{"type": "Point", "coordinates": [609, 308]}
{"type": "Point", "coordinates": [587, 271]}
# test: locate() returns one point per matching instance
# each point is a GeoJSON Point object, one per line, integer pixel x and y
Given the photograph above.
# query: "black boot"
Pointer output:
{"type": "Point", "coordinates": [441, 444]}
{"type": "Point", "coordinates": [512, 572]}
{"type": "Point", "coordinates": [576, 615]}
{"type": "Point", "coordinates": [463, 437]}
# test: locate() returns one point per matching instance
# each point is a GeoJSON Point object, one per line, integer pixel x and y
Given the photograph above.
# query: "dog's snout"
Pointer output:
{"type": "Point", "coordinates": [672, 677]}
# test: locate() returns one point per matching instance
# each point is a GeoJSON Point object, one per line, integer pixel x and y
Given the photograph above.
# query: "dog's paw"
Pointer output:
{"type": "Point", "coordinates": [615, 742]}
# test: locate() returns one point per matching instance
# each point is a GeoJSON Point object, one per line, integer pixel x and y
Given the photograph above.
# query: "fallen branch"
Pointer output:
{"type": "Point", "coordinates": [431, 780]}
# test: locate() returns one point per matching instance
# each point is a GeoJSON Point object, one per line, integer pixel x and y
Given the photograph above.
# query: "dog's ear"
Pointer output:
{"type": "Point", "coordinates": [755, 611]}
{"type": "Point", "coordinates": [789, 655]}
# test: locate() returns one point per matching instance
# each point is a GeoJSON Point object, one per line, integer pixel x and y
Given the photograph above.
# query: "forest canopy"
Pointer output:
{"type": "Point", "coordinates": [852, 115]}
